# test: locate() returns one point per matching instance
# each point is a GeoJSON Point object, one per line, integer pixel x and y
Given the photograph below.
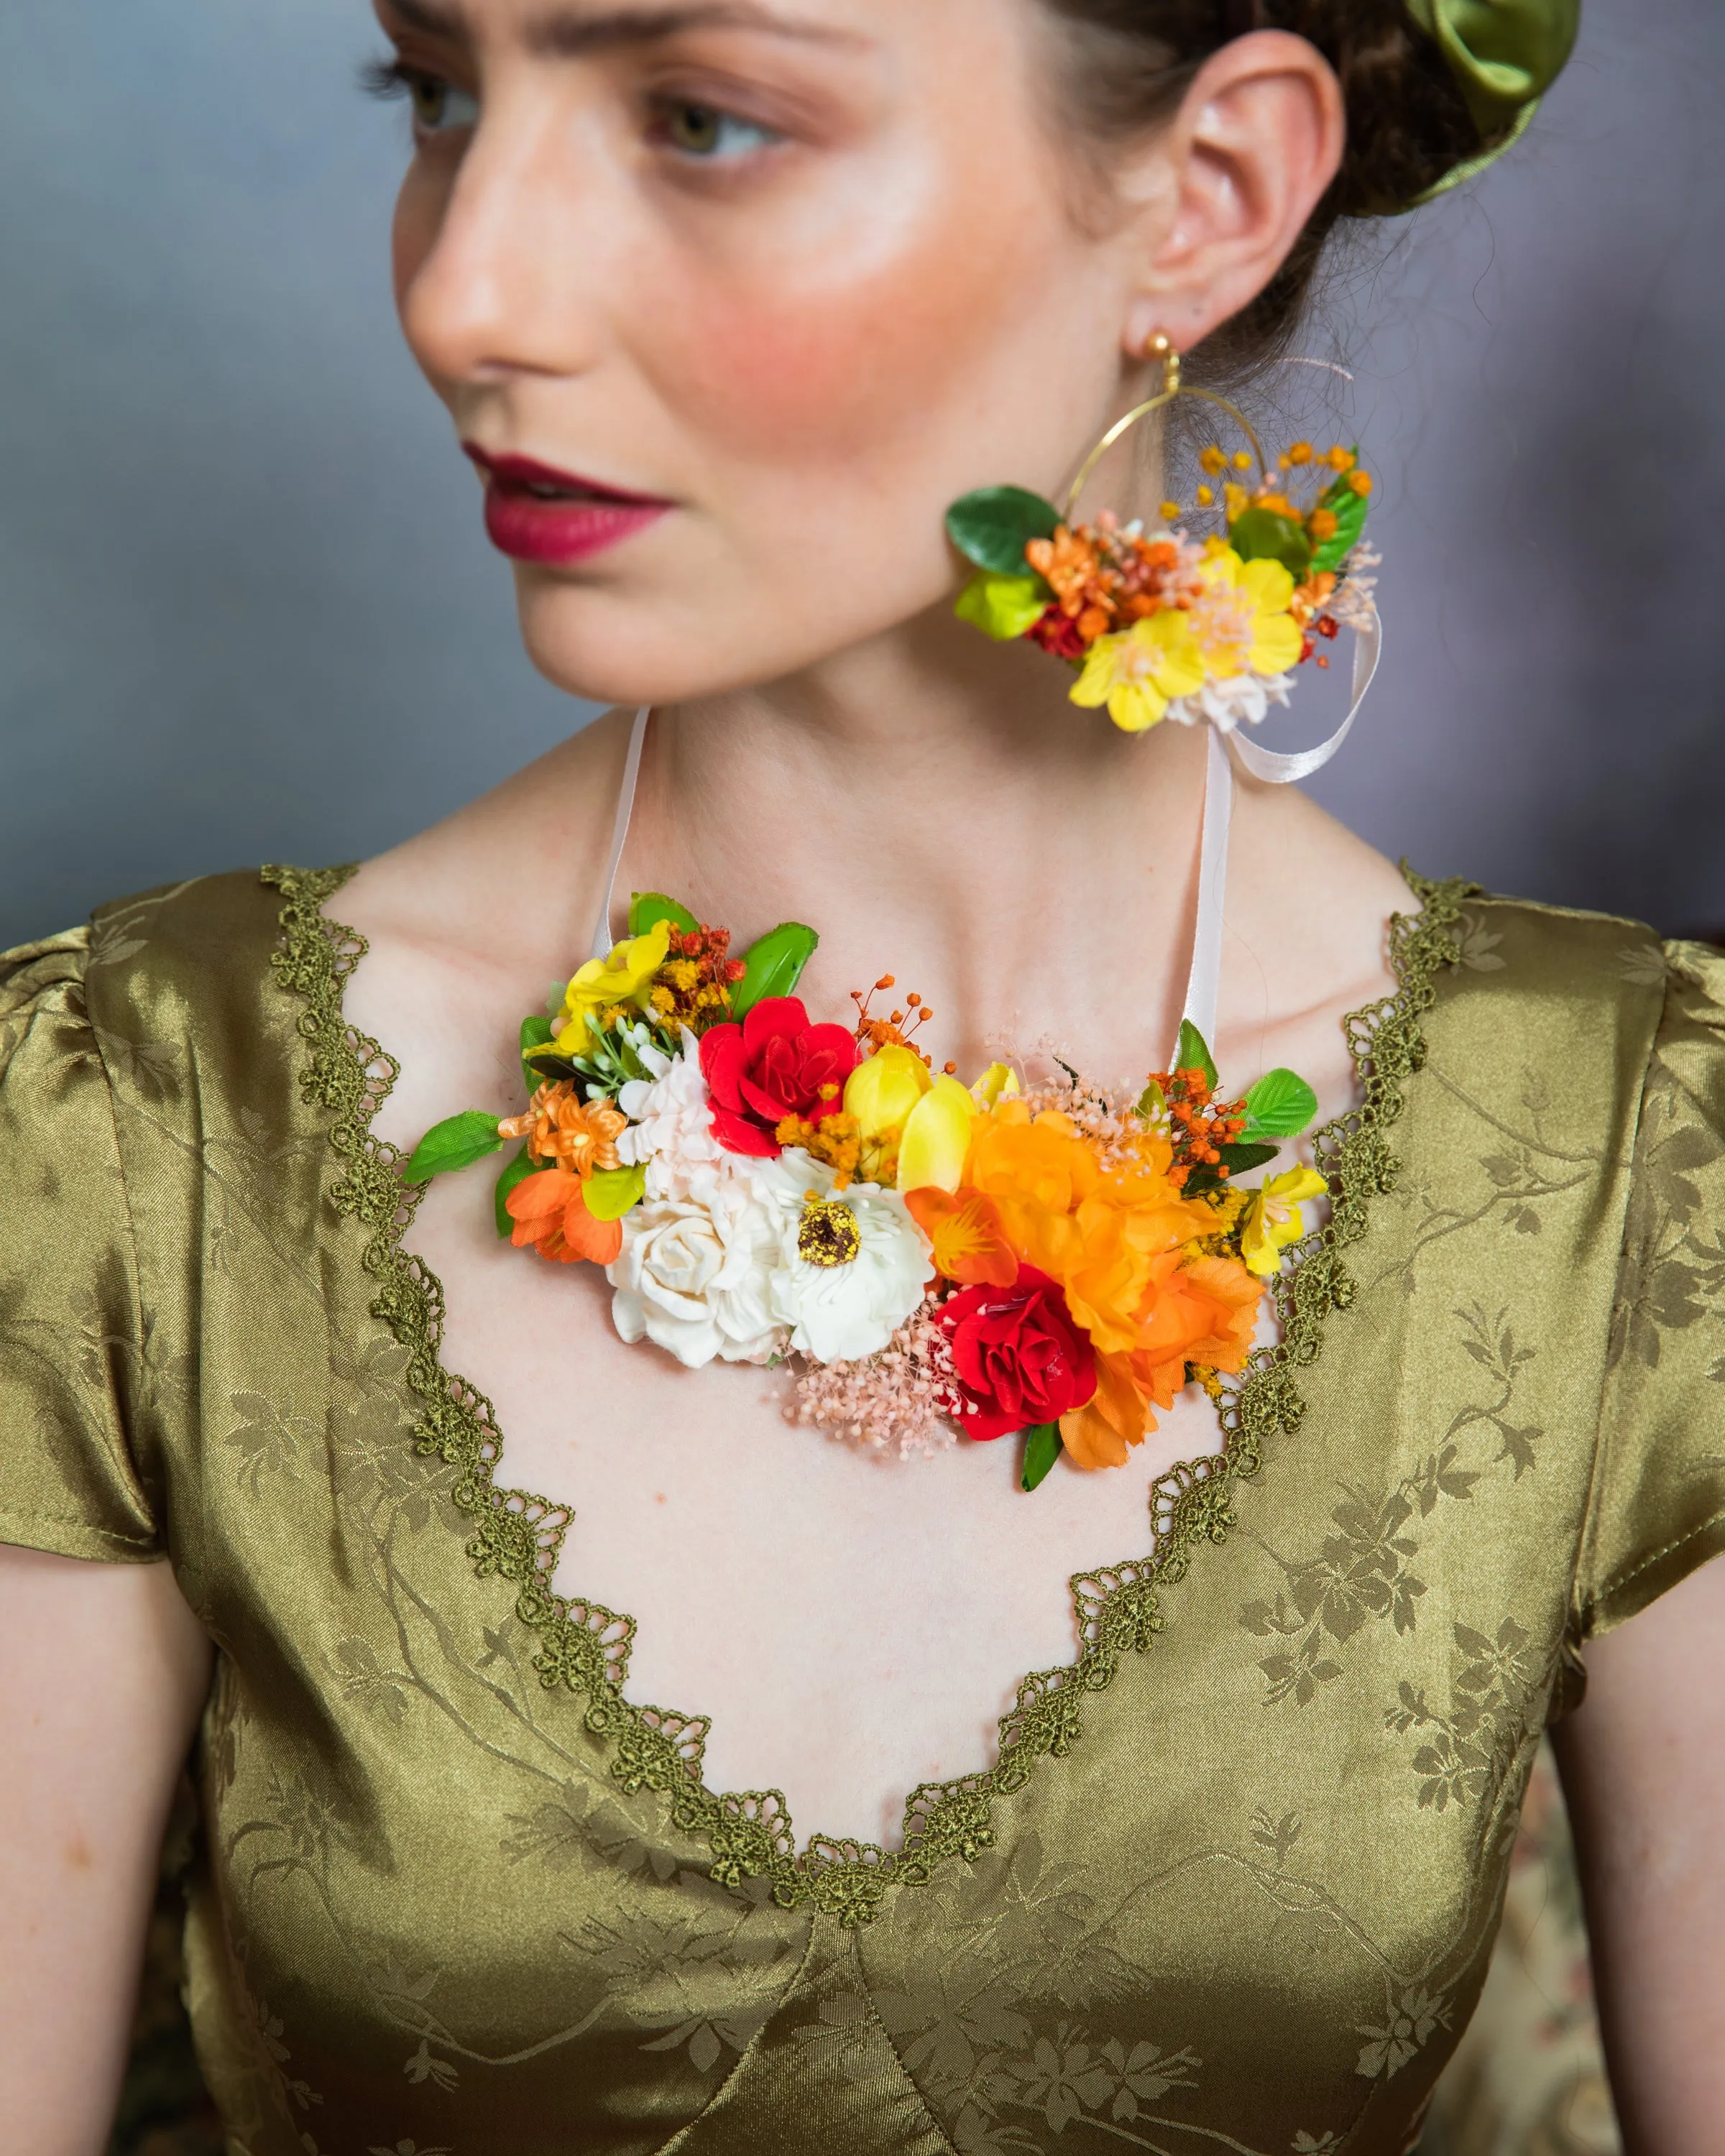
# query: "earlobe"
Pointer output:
{"type": "Point", "coordinates": [1257, 141]}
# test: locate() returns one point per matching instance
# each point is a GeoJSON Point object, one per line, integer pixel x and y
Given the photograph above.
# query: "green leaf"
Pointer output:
{"type": "Point", "coordinates": [991, 527]}
{"type": "Point", "coordinates": [647, 908]}
{"type": "Point", "coordinates": [457, 1143]}
{"type": "Point", "coordinates": [1042, 1448]}
{"type": "Point", "coordinates": [774, 965]}
{"type": "Point", "coordinates": [1242, 1159]}
{"type": "Point", "coordinates": [1152, 1103]}
{"type": "Point", "coordinates": [1003, 607]}
{"type": "Point", "coordinates": [537, 1032]}
{"type": "Point", "coordinates": [612, 1192]}
{"type": "Point", "coordinates": [1349, 510]}
{"type": "Point", "coordinates": [1280, 1106]}
{"type": "Point", "coordinates": [518, 1170]}
{"type": "Point", "coordinates": [1266, 535]}
{"type": "Point", "coordinates": [1193, 1054]}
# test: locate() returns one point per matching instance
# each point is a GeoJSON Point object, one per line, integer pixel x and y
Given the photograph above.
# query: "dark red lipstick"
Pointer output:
{"type": "Point", "coordinates": [536, 513]}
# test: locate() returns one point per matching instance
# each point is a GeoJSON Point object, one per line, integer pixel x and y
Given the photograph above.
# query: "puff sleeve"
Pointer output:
{"type": "Point", "coordinates": [1657, 1506]}
{"type": "Point", "coordinates": [73, 1344]}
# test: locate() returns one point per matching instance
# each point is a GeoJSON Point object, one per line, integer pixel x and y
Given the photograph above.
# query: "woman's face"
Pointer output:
{"type": "Point", "coordinates": [750, 290]}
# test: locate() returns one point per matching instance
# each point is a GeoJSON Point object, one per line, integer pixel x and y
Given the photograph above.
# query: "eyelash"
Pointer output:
{"type": "Point", "coordinates": [392, 80]}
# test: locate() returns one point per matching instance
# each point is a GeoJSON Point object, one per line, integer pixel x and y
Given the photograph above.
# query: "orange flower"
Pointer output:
{"type": "Point", "coordinates": [1097, 1233]}
{"type": "Point", "coordinates": [1116, 1239]}
{"type": "Point", "coordinates": [1234, 1295]}
{"type": "Point", "coordinates": [1068, 562]}
{"type": "Point", "coordinates": [550, 1213]}
{"type": "Point", "coordinates": [1023, 1162]}
{"type": "Point", "coordinates": [1198, 1310]}
{"type": "Point", "coordinates": [970, 1245]}
{"type": "Point", "coordinates": [558, 1127]}
{"type": "Point", "coordinates": [1100, 1434]}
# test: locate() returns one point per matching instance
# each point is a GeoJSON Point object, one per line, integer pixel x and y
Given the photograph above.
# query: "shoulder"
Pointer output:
{"type": "Point", "coordinates": [478, 882]}
{"type": "Point", "coordinates": [1521, 944]}
{"type": "Point", "coordinates": [1533, 978]}
{"type": "Point", "coordinates": [183, 963]}
{"type": "Point", "coordinates": [467, 925]}
{"type": "Point", "coordinates": [164, 1016]}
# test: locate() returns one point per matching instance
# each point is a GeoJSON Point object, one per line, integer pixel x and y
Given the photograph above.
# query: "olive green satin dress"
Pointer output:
{"type": "Point", "coordinates": [1233, 1882]}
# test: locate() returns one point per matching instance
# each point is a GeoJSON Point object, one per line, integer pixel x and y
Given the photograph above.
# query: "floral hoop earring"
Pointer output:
{"type": "Point", "coordinates": [1164, 623]}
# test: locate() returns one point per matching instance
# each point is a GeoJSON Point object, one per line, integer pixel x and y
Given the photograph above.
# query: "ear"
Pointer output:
{"type": "Point", "coordinates": [1255, 142]}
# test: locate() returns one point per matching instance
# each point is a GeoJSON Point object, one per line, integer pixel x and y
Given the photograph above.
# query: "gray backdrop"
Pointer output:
{"type": "Point", "coordinates": [247, 611]}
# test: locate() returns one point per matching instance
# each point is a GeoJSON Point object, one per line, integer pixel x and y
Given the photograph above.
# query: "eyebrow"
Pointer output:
{"type": "Point", "coordinates": [568, 33]}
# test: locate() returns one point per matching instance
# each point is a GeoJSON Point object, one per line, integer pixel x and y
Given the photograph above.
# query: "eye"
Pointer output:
{"type": "Point", "coordinates": [716, 137]}
{"type": "Point", "coordinates": [438, 107]}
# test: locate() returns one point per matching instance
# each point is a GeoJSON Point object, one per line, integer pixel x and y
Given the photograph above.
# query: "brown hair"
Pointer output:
{"type": "Point", "coordinates": [1131, 62]}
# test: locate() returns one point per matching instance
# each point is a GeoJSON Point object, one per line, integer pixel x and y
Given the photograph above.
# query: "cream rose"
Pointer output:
{"type": "Point", "coordinates": [694, 1279]}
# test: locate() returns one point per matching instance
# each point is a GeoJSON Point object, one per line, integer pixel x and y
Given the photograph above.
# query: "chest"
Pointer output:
{"type": "Point", "coordinates": [853, 1625]}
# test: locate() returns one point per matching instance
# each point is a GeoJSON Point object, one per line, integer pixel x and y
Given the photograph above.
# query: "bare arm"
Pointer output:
{"type": "Point", "coordinates": [1643, 1762]}
{"type": "Point", "coordinates": [103, 1671]}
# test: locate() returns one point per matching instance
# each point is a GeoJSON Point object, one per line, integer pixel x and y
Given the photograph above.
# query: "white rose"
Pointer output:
{"type": "Point", "coordinates": [695, 1279]}
{"type": "Point", "coordinates": [877, 1269]}
{"type": "Point", "coordinates": [742, 1295]}
{"type": "Point", "coordinates": [671, 1256]}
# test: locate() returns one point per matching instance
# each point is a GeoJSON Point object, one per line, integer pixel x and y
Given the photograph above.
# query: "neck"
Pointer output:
{"type": "Point", "coordinates": [935, 806]}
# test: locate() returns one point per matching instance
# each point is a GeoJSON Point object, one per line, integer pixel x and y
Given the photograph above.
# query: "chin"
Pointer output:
{"type": "Point", "coordinates": [614, 648]}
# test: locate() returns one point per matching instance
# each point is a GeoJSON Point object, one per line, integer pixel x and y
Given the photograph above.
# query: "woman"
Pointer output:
{"type": "Point", "coordinates": [727, 304]}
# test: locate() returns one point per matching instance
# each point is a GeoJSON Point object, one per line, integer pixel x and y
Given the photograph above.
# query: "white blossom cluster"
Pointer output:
{"type": "Point", "coordinates": [710, 1265]}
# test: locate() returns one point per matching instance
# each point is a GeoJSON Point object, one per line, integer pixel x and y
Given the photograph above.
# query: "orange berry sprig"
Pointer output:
{"type": "Point", "coordinates": [1200, 1125]}
{"type": "Point", "coordinates": [1281, 515]}
{"type": "Point", "coordinates": [895, 1030]}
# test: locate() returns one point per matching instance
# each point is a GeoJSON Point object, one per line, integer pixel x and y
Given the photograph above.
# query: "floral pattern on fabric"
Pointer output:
{"type": "Point", "coordinates": [454, 1888]}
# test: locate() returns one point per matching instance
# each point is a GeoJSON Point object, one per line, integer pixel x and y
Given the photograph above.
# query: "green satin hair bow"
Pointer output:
{"type": "Point", "coordinates": [1505, 54]}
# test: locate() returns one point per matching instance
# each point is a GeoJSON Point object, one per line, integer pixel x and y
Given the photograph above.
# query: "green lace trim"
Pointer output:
{"type": "Point", "coordinates": [517, 1536]}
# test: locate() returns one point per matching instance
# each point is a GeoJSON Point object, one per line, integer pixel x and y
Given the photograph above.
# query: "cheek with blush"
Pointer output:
{"type": "Point", "coordinates": [787, 366]}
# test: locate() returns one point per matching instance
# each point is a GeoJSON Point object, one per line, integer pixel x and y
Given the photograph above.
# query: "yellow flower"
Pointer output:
{"type": "Point", "coordinates": [999, 1082]}
{"type": "Point", "coordinates": [937, 1139]}
{"type": "Point", "coordinates": [884, 1088]}
{"type": "Point", "coordinates": [879, 1095]}
{"type": "Point", "coordinates": [1137, 672]}
{"type": "Point", "coordinates": [626, 976]}
{"type": "Point", "coordinates": [1273, 1219]}
{"type": "Point", "coordinates": [1242, 624]}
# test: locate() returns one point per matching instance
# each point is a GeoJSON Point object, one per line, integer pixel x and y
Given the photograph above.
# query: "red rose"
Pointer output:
{"type": "Point", "coordinates": [774, 1065]}
{"type": "Point", "coordinates": [1020, 1357]}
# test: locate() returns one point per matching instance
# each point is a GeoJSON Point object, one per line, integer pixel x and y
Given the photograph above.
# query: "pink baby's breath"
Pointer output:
{"type": "Point", "coordinates": [894, 1402]}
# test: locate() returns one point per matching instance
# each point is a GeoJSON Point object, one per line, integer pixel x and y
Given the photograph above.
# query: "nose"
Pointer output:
{"type": "Point", "coordinates": [497, 275]}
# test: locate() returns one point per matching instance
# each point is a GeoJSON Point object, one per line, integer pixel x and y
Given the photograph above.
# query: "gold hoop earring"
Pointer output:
{"type": "Point", "coordinates": [1159, 349]}
{"type": "Point", "coordinates": [1164, 623]}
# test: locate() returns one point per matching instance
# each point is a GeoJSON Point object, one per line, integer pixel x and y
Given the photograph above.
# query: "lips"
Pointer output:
{"type": "Point", "coordinates": [535, 513]}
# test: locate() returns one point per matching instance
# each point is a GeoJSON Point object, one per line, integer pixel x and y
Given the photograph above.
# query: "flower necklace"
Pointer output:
{"type": "Point", "coordinates": [933, 1260]}
{"type": "Point", "coordinates": [929, 1259]}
